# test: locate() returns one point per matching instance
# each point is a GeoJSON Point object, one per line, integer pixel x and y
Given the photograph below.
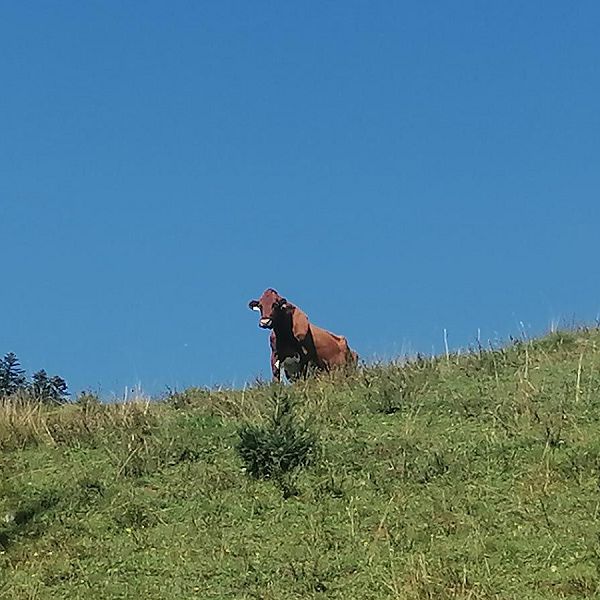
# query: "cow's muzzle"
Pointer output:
{"type": "Point", "coordinates": [266, 323]}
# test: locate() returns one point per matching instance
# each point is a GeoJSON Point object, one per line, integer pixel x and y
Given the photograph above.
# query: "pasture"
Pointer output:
{"type": "Point", "coordinates": [469, 476]}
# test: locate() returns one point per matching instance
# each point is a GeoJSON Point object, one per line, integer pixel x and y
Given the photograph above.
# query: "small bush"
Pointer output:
{"type": "Point", "coordinates": [88, 399]}
{"type": "Point", "coordinates": [278, 447]}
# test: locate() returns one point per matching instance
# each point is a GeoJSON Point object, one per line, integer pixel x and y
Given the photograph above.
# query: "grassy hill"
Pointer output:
{"type": "Point", "coordinates": [470, 476]}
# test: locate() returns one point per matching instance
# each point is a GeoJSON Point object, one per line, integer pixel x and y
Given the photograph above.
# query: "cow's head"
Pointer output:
{"type": "Point", "coordinates": [270, 306]}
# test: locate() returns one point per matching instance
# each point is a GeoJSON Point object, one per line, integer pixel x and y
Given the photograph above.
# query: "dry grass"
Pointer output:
{"type": "Point", "coordinates": [24, 422]}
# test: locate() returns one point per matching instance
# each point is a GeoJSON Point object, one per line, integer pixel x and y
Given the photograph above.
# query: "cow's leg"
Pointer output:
{"type": "Point", "coordinates": [308, 364]}
{"type": "Point", "coordinates": [309, 358]}
{"type": "Point", "coordinates": [275, 363]}
{"type": "Point", "coordinates": [275, 367]}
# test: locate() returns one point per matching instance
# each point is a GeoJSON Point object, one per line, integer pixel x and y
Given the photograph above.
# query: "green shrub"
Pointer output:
{"type": "Point", "coordinates": [279, 446]}
{"type": "Point", "coordinates": [88, 399]}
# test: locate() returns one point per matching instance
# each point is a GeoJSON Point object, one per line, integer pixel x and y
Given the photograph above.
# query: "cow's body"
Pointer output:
{"type": "Point", "coordinates": [296, 344]}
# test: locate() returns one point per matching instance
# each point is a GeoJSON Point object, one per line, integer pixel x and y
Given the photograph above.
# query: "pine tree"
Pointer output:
{"type": "Point", "coordinates": [12, 376]}
{"type": "Point", "coordinates": [49, 390]}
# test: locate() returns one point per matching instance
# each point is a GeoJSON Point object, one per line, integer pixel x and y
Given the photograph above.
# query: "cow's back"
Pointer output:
{"type": "Point", "coordinates": [332, 349]}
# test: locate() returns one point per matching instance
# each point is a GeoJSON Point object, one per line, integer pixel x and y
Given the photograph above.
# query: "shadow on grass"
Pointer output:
{"type": "Point", "coordinates": [20, 522]}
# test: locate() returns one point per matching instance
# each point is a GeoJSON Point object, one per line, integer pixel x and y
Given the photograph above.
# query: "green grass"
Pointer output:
{"type": "Point", "coordinates": [474, 476]}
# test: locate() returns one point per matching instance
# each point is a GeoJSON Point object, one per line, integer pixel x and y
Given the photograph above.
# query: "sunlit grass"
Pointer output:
{"type": "Point", "coordinates": [469, 476]}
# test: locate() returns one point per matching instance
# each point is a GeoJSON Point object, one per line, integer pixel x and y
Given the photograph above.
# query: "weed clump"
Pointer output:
{"type": "Point", "coordinates": [389, 389]}
{"type": "Point", "coordinates": [278, 447]}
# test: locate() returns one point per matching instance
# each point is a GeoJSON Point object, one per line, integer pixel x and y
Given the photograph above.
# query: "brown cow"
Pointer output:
{"type": "Point", "coordinates": [297, 344]}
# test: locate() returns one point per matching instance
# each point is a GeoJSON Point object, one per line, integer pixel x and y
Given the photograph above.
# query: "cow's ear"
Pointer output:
{"type": "Point", "coordinates": [299, 324]}
{"type": "Point", "coordinates": [253, 305]}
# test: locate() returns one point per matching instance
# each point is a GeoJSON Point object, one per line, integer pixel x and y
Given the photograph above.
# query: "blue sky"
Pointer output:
{"type": "Point", "coordinates": [393, 168]}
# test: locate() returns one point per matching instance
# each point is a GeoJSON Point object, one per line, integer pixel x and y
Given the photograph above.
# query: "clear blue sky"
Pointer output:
{"type": "Point", "coordinates": [393, 168]}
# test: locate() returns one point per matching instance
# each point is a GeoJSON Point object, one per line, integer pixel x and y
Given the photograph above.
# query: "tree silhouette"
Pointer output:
{"type": "Point", "coordinates": [43, 388]}
{"type": "Point", "coordinates": [12, 376]}
{"type": "Point", "coordinates": [49, 390]}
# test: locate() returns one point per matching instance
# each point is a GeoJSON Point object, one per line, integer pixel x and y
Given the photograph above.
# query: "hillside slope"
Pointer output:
{"type": "Point", "coordinates": [473, 476]}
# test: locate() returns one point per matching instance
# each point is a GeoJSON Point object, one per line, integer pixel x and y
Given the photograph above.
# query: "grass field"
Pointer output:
{"type": "Point", "coordinates": [469, 476]}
